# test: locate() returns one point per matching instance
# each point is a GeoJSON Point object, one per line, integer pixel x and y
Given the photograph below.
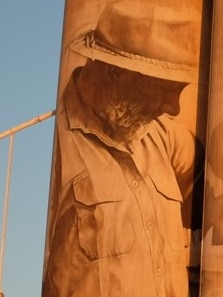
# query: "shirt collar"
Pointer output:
{"type": "Point", "coordinates": [82, 118]}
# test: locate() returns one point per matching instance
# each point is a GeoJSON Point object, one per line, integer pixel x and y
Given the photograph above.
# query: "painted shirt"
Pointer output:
{"type": "Point", "coordinates": [115, 226]}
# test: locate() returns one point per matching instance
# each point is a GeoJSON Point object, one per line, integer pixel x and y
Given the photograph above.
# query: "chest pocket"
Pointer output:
{"type": "Point", "coordinates": [103, 221]}
{"type": "Point", "coordinates": [169, 211]}
{"type": "Point", "coordinates": [173, 223]}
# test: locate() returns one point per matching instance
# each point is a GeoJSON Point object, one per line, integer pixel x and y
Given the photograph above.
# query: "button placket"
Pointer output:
{"type": "Point", "coordinates": [143, 191]}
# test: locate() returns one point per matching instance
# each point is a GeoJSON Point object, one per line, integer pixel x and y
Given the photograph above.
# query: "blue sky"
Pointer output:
{"type": "Point", "coordinates": [30, 35]}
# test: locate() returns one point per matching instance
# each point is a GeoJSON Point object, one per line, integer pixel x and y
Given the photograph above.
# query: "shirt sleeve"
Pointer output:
{"type": "Point", "coordinates": [186, 154]}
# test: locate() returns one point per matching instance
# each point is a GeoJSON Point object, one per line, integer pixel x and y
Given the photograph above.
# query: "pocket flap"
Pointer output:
{"type": "Point", "coordinates": [86, 193]}
{"type": "Point", "coordinates": [167, 186]}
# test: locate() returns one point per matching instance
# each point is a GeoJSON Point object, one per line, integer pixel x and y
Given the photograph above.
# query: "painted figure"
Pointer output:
{"type": "Point", "coordinates": [127, 171]}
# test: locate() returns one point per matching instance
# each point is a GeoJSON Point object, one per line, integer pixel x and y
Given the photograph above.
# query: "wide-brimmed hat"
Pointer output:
{"type": "Point", "coordinates": [156, 38]}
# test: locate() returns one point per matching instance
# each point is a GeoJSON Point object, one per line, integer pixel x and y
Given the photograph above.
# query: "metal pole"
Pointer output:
{"type": "Point", "coordinates": [10, 132]}
{"type": "Point", "coordinates": [5, 209]}
{"type": "Point", "coordinates": [27, 124]}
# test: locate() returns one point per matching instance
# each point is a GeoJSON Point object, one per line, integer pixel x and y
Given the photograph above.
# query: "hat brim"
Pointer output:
{"type": "Point", "coordinates": [150, 67]}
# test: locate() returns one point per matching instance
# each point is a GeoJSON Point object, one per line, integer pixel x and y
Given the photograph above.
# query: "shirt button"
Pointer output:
{"type": "Point", "coordinates": [159, 271]}
{"type": "Point", "coordinates": [134, 183]}
{"type": "Point", "coordinates": [149, 225]}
